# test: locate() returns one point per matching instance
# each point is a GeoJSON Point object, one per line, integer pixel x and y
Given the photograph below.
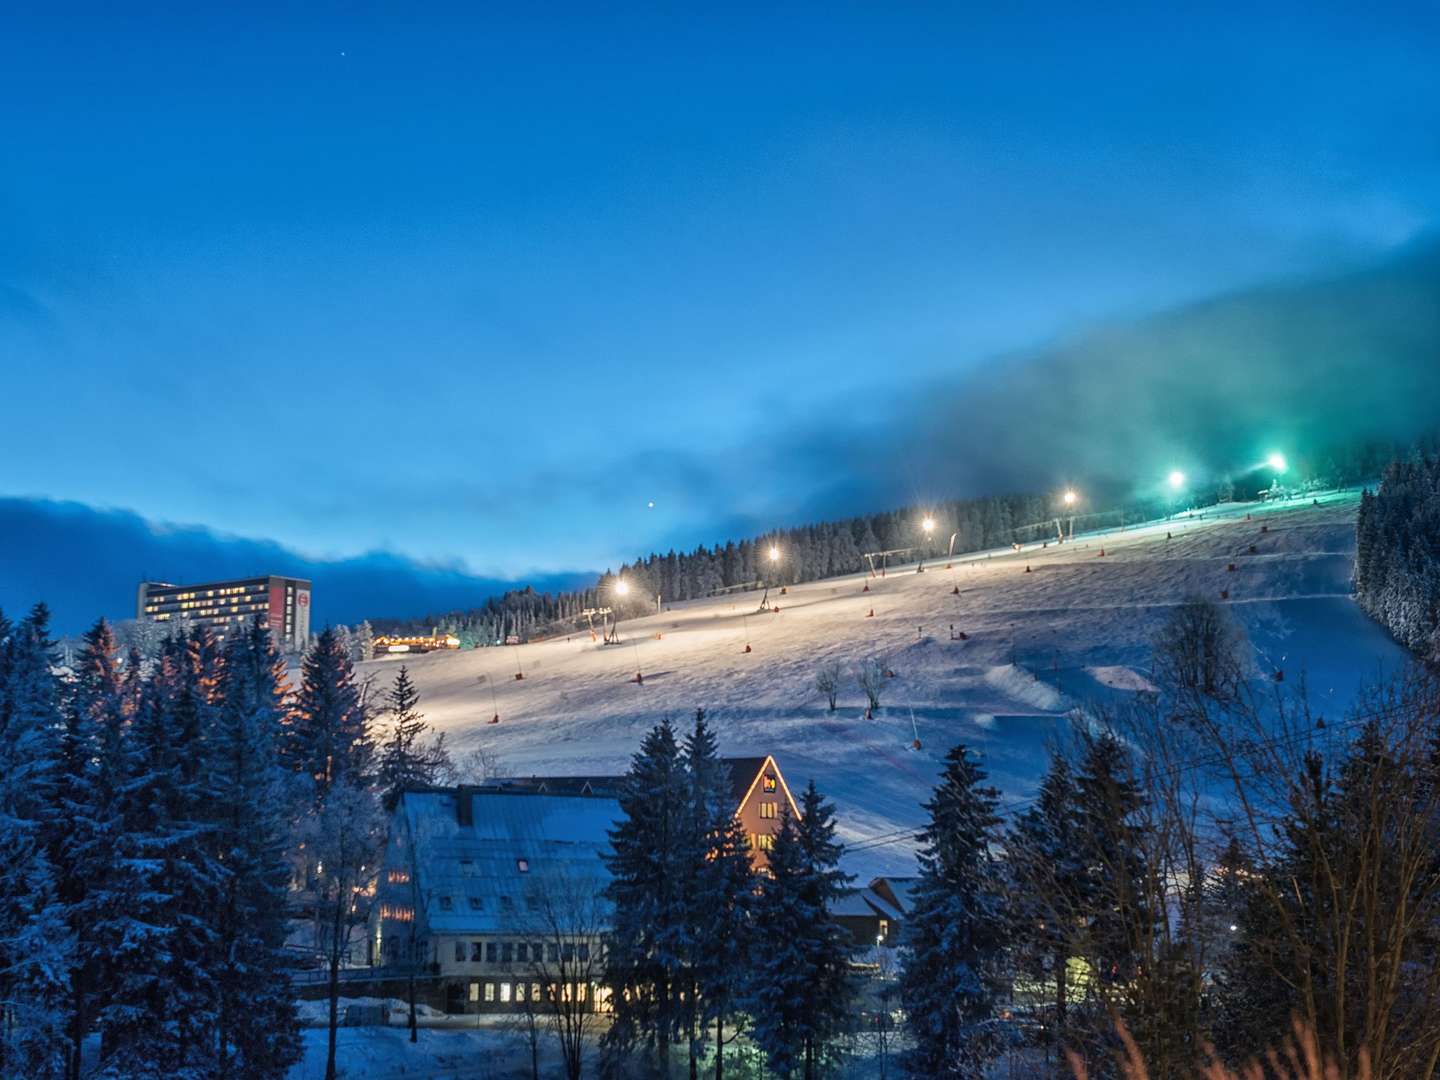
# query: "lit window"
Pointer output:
{"type": "Point", "coordinates": [769, 784]}
{"type": "Point", "coordinates": [520, 991]}
{"type": "Point", "coordinates": [523, 865]}
{"type": "Point", "coordinates": [474, 991]}
{"type": "Point", "coordinates": [489, 991]}
{"type": "Point", "coordinates": [504, 991]}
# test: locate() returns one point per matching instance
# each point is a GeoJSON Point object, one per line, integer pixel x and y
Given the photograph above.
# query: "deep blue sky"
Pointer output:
{"type": "Point", "coordinates": [477, 285]}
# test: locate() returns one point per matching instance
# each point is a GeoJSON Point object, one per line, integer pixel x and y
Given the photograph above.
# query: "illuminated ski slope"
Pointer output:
{"type": "Point", "coordinates": [1074, 629]}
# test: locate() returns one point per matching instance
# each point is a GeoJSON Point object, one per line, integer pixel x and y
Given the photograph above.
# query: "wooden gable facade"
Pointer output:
{"type": "Point", "coordinates": [761, 797]}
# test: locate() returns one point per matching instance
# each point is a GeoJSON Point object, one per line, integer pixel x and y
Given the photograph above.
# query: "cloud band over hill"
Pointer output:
{"type": "Point", "coordinates": [85, 562]}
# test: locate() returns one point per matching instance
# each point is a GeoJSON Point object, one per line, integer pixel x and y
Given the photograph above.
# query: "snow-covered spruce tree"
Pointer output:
{"type": "Point", "coordinates": [800, 991]}
{"type": "Point", "coordinates": [1397, 557]}
{"type": "Point", "coordinates": [647, 950]}
{"type": "Point", "coordinates": [1047, 877]}
{"type": "Point", "coordinates": [956, 934]}
{"type": "Point", "coordinates": [257, 1030]}
{"type": "Point", "coordinates": [36, 948]}
{"type": "Point", "coordinates": [83, 819]}
{"type": "Point", "coordinates": [405, 758]}
{"type": "Point", "coordinates": [159, 1016]}
{"type": "Point", "coordinates": [329, 736]}
{"type": "Point", "coordinates": [1118, 923]}
{"type": "Point", "coordinates": [719, 891]}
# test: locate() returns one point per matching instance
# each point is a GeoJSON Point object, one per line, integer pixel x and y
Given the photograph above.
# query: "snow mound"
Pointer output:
{"type": "Point", "coordinates": [1018, 684]}
{"type": "Point", "coordinates": [1119, 677]}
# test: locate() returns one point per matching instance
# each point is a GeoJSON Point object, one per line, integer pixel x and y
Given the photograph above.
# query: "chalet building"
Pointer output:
{"type": "Point", "coordinates": [875, 914]}
{"type": "Point", "coordinates": [494, 897]}
{"type": "Point", "coordinates": [757, 788]}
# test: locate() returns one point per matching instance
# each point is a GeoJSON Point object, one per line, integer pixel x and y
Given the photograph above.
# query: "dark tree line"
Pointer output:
{"type": "Point", "coordinates": [146, 869]}
{"type": "Point", "coordinates": [1205, 866]}
{"type": "Point", "coordinates": [1397, 560]}
{"type": "Point", "coordinates": [832, 548]}
{"type": "Point", "coordinates": [699, 943]}
{"type": "Point", "coordinates": [164, 824]}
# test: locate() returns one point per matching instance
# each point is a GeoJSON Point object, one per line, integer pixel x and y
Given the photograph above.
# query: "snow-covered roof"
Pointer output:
{"type": "Point", "coordinates": [494, 873]}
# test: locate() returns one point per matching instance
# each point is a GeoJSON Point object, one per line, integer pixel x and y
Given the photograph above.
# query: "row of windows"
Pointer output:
{"type": "Point", "coordinates": [769, 809]}
{"type": "Point", "coordinates": [521, 992]}
{"type": "Point", "coordinates": [762, 841]}
{"type": "Point", "coordinates": [521, 952]}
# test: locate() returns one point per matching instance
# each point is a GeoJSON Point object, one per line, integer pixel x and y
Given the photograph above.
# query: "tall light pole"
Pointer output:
{"type": "Point", "coordinates": [1176, 481]}
{"type": "Point", "coordinates": [927, 526]}
{"type": "Point", "coordinates": [1070, 498]}
{"type": "Point", "coordinates": [1278, 465]}
{"type": "Point", "coordinates": [772, 557]}
{"type": "Point", "coordinates": [622, 590]}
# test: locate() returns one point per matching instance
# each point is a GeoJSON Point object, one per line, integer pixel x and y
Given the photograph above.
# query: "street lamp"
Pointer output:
{"type": "Point", "coordinates": [1177, 482]}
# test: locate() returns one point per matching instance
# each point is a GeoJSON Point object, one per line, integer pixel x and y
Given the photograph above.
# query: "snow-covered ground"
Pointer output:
{"type": "Point", "coordinates": [1074, 629]}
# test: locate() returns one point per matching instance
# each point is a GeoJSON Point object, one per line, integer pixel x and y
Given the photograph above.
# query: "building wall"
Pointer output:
{"type": "Point", "coordinates": [225, 606]}
{"type": "Point", "coordinates": [759, 813]}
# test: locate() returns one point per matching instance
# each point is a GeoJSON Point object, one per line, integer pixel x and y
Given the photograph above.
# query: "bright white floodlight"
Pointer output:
{"type": "Point", "coordinates": [928, 524]}
{"type": "Point", "coordinates": [1177, 479]}
{"type": "Point", "coordinates": [621, 588]}
{"type": "Point", "coordinates": [774, 553]}
{"type": "Point", "coordinates": [1070, 498]}
{"type": "Point", "coordinates": [1276, 462]}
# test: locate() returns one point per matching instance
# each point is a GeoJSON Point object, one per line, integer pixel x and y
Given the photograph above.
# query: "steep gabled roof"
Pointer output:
{"type": "Point", "coordinates": [744, 771]}
{"type": "Point", "coordinates": [489, 875]}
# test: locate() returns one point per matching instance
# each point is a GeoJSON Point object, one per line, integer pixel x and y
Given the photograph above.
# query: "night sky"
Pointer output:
{"type": "Point", "coordinates": [476, 287]}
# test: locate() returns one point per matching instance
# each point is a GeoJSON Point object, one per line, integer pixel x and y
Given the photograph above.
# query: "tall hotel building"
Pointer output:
{"type": "Point", "coordinates": [224, 606]}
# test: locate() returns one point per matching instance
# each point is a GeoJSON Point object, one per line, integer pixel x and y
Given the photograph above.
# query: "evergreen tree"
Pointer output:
{"type": "Point", "coordinates": [36, 948]}
{"type": "Point", "coordinates": [159, 1014]}
{"type": "Point", "coordinates": [647, 951]}
{"type": "Point", "coordinates": [800, 992]}
{"type": "Point", "coordinates": [329, 737]}
{"type": "Point", "coordinates": [1047, 882]}
{"type": "Point", "coordinates": [84, 817]}
{"type": "Point", "coordinates": [257, 1031]}
{"type": "Point", "coordinates": [1119, 924]}
{"type": "Point", "coordinates": [955, 936]}
{"type": "Point", "coordinates": [404, 759]}
{"type": "Point", "coordinates": [719, 894]}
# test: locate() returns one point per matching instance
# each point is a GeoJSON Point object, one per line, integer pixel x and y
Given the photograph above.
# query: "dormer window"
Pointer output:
{"type": "Point", "coordinates": [770, 783]}
{"type": "Point", "coordinates": [447, 904]}
{"type": "Point", "coordinates": [523, 865]}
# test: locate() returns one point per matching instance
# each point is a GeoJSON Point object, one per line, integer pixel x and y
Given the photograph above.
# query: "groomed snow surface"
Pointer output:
{"type": "Point", "coordinates": [1074, 630]}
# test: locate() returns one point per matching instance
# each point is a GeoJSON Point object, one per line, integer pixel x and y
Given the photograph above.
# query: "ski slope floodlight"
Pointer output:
{"type": "Point", "coordinates": [1276, 462]}
{"type": "Point", "coordinates": [1070, 497]}
{"type": "Point", "coordinates": [1177, 480]}
{"type": "Point", "coordinates": [928, 524]}
{"type": "Point", "coordinates": [774, 553]}
{"type": "Point", "coordinates": [622, 587]}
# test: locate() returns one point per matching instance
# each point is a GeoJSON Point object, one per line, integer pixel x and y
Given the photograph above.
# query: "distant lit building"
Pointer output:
{"type": "Point", "coordinates": [224, 606]}
{"type": "Point", "coordinates": [387, 644]}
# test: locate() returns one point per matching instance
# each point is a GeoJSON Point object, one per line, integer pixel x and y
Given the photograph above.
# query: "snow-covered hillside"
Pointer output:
{"type": "Point", "coordinates": [1074, 629]}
